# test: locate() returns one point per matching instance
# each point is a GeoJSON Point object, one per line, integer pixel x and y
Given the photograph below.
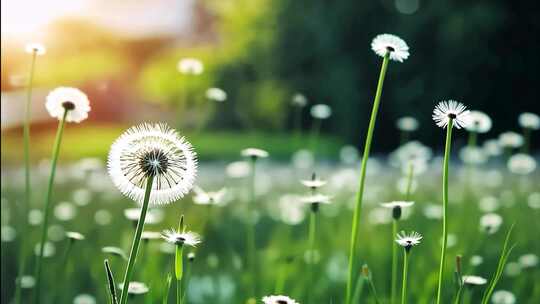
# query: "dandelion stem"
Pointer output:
{"type": "Point", "coordinates": [360, 193]}
{"type": "Point", "coordinates": [312, 232]}
{"type": "Point", "coordinates": [527, 140]}
{"type": "Point", "coordinates": [136, 240]}
{"type": "Point", "coordinates": [27, 186]}
{"type": "Point", "coordinates": [405, 269]}
{"type": "Point", "coordinates": [394, 262]}
{"type": "Point", "coordinates": [298, 126]}
{"type": "Point", "coordinates": [186, 281]}
{"type": "Point", "coordinates": [445, 206]}
{"type": "Point", "coordinates": [46, 207]}
{"type": "Point", "coordinates": [179, 271]}
{"type": "Point", "coordinates": [250, 237]}
{"type": "Point", "coordinates": [410, 178]}
{"type": "Point", "coordinates": [315, 133]}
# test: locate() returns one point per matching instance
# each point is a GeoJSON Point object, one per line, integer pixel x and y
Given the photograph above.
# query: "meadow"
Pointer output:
{"type": "Point", "coordinates": [304, 222]}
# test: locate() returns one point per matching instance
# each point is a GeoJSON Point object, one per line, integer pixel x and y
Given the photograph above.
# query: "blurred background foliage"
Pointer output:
{"type": "Point", "coordinates": [262, 52]}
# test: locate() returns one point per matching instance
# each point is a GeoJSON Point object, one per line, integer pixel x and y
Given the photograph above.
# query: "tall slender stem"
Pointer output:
{"type": "Point", "coordinates": [27, 185]}
{"type": "Point", "coordinates": [315, 133]}
{"type": "Point", "coordinates": [46, 207]}
{"type": "Point", "coordinates": [445, 206]}
{"type": "Point", "coordinates": [136, 240]}
{"type": "Point", "coordinates": [394, 262]}
{"type": "Point", "coordinates": [312, 232]}
{"type": "Point", "coordinates": [179, 271]}
{"type": "Point", "coordinates": [250, 237]}
{"type": "Point", "coordinates": [360, 193]}
{"type": "Point", "coordinates": [405, 269]}
{"type": "Point", "coordinates": [298, 126]}
{"type": "Point", "coordinates": [527, 140]}
{"type": "Point", "coordinates": [410, 179]}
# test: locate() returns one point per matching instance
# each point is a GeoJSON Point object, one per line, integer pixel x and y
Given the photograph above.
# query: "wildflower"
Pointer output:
{"type": "Point", "coordinates": [503, 297]}
{"type": "Point", "coordinates": [278, 300]}
{"type": "Point", "coordinates": [190, 66]}
{"type": "Point", "coordinates": [191, 256]}
{"type": "Point", "coordinates": [72, 100]}
{"type": "Point", "coordinates": [313, 183]}
{"type": "Point", "coordinates": [407, 241]}
{"type": "Point", "coordinates": [35, 48]}
{"type": "Point", "coordinates": [396, 207]}
{"type": "Point", "coordinates": [152, 150]}
{"type": "Point", "coordinates": [135, 288]}
{"type": "Point", "coordinates": [511, 139]}
{"type": "Point", "coordinates": [490, 222]}
{"type": "Point", "coordinates": [451, 109]}
{"type": "Point", "coordinates": [407, 124]}
{"type": "Point", "coordinates": [412, 153]}
{"type": "Point", "coordinates": [529, 120]}
{"type": "Point", "coordinates": [299, 100]}
{"type": "Point", "coordinates": [386, 43]}
{"type": "Point", "coordinates": [321, 111]}
{"type": "Point", "coordinates": [488, 204]}
{"type": "Point", "coordinates": [74, 236]}
{"type": "Point", "coordinates": [521, 163]}
{"type": "Point", "coordinates": [84, 299]}
{"type": "Point", "coordinates": [473, 280]}
{"type": "Point", "coordinates": [209, 198]}
{"type": "Point", "coordinates": [317, 199]}
{"type": "Point", "coordinates": [479, 122]}
{"type": "Point", "coordinates": [216, 94]}
{"type": "Point", "coordinates": [254, 153]}
{"type": "Point", "coordinates": [181, 238]}
{"type": "Point", "coordinates": [529, 260]}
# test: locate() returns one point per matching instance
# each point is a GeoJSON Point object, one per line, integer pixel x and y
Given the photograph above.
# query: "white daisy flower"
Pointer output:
{"type": "Point", "coordinates": [75, 236]}
{"type": "Point", "coordinates": [316, 199]}
{"type": "Point", "coordinates": [278, 300]}
{"type": "Point", "coordinates": [84, 299]}
{"type": "Point", "coordinates": [181, 238]}
{"type": "Point", "coordinates": [396, 207]}
{"type": "Point", "coordinates": [521, 163]}
{"type": "Point", "coordinates": [321, 111]}
{"type": "Point", "coordinates": [35, 48]}
{"type": "Point", "coordinates": [407, 241]}
{"type": "Point", "coordinates": [503, 297]}
{"type": "Point", "coordinates": [299, 100]}
{"type": "Point", "coordinates": [209, 198]}
{"type": "Point", "coordinates": [135, 288]}
{"type": "Point", "coordinates": [216, 94]}
{"type": "Point", "coordinates": [254, 153]}
{"type": "Point", "coordinates": [407, 124]}
{"type": "Point", "coordinates": [152, 150]}
{"type": "Point", "coordinates": [490, 222]}
{"type": "Point", "coordinates": [529, 120]}
{"type": "Point", "coordinates": [64, 99]}
{"type": "Point", "coordinates": [479, 122]}
{"type": "Point", "coordinates": [511, 139]}
{"type": "Point", "coordinates": [314, 182]}
{"type": "Point", "coordinates": [473, 280]}
{"type": "Point", "coordinates": [386, 43]}
{"type": "Point", "coordinates": [190, 66]}
{"type": "Point", "coordinates": [451, 109]}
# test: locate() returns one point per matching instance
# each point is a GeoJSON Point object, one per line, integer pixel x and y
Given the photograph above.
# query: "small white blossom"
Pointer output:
{"type": "Point", "coordinates": [479, 122]}
{"type": "Point", "coordinates": [190, 66]}
{"type": "Point", "coordinates": [254, 153]}
{"type": "Point", "coordinates": [35, 48]}
{"type": "Point", "coordinates": [181, 238]}
{"type": "Point", "coordinates": [511, 139]}
{"type": "Point", "coordinates": [72, 100]}
{"type": "Point", "coordinates": [521, 163]}
{"type": "Point", "coordinates": [216, 94]}
{"type": "Point", "coordinates": [407, 123]}
{"type": "Point", "coordinates": [321, 111]}
{"type": "Point", "coordinates": [529, 120]}
{"type": "Point", "coordinates": [408, 240]}
{"type": "Point", "coordinates": [473, 280]}
{"type": "Point", "coordinates": [385, 44]}
{"type": "Point", "coordinates": [451, 109]}
{"type": "Point", "coordinates": [278, 300]}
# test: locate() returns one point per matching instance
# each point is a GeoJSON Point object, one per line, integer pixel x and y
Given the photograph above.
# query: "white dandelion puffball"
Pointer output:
{"type": "Point", "coordinates": [152, 150]}
{"type": "Point", "coordinates": [451, 109]}
{"type": "Point", "coordinates": [313, 183]}
{"type": "Point", "coordinates": [181, 238]}
{"type": "Point", "coordinates": [529, 120]}
{"type": "Point", "coordinates": [190, 66]}
{"type": "Point", "coordinates": [216, 94]}
{"type": "Point", "coordinates": [479, 122]}
{"type": "Point", "coordinates": [278, 300]}
{"type": "Point", "coordinates": [503, 297]}
{"type": "Point", "coordinates": [321, 111]}
{"type": "Point", "coordinates": [511, 139]}
{"type": "Point", "coordinates": [397, 204]}
{"type": "Point", "coordinates": [408, 240]}
{"type": "Point", "coordinates": [492, 147]}
{"type": "Point", "coordinates": [84, 299]}
{"type": "Point", "coordinates": [299, 100]}
{"type": "Point", "coordinates": [521, 163]}
{"type": "Point", "coordinates": [135, 288]}
{"type": "Point", "coordinates": [254, 153]}
{"type": "Point", "coordinates": [407, 124]}
{"type": "Point", "coordinates": [209, 197]}
{"type": "Point", "coordinates": [386, 43]}
{"type": "Point", "coordinates": [529, 260]}
{"type": "Point", "coordinates": [64, 99]}
{"type": "Point", "coordinates": [473, 280]}
{"type": "Point", "coordinates": [35, 48]}
{"type": "Point", "coordinates": [316, 199]}
{"type": "Point", "coordinates": [490, 222]}
{"type": "Point", "coordinates": [76, 236]}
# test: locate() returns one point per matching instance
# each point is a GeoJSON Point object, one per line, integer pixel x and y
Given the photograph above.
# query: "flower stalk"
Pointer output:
{"type": "Point", "coordinates": [360, 193]}
{"type": "Point", "coordinates": [405, 271]}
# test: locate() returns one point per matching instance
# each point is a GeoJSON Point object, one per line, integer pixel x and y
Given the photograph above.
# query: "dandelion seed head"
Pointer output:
{"type": "Point", "coordinates": [503, 297]}
{"type": "Point", "coordinates": [76, 236]}
{"type": "Point", "coordinates": [529, 120]}
{"type": "Point", "coordinates": [320, 111]}
{"type": "Point", "coordinates": [511, 140]}
{"type": "Point", "coordinates": [479, 122]}
{"type": "Point", "coordinates": [472, 155]}
{"type": "Point", "coordinates": [8, 233]}
{"type": "Point", "coordinates": [490, 222]}
{"type": "Point", "coordinates": [135, 288]}
{"type": "Point", "coordinates": [254, 153]}
{"type": "Point", "coordinates": [407, 124]}
{"type": "Point", "coordinates": [35, 48]}
{"type": "Point", "coordinates": [216, 94]}
{"type": "Point", "coordinates": [152, 150]}
{"type": "Point", "coordinates": [278, 300]}
{"type": "Point", "coordinates": [451, 109]}
{"type": "Point", "coordinates": [68, 99]}
{"type": "Point", "coordinates": [65, 211]}
{"type": "Point", "coordinates": [533, 201]}
{"type": "Point", "coordinates": [521, 164]}
{"type": "Point", "coordinates": [316, 199]}
{"type": "Point", "coordinates": [181, 238]}
{"type": "Point", "coordinates": [313, 183]}
{"type": "Point", "coordinates": [390, 44]}
{"type": "Point", "coordinates": [299, 100]}
{"type": "Point", "coordinates": [209, 197]}
{"type": "Point", "coordinates": [473, 280]}
{"type": "Point", "coordinates": [190, 66]}
{"type": "Point", "coordinates": [476, 260]}
{"type": "Point", "coordinates": [400, 204]}
{"type": "Point", "coordinates": [27, 281]}
{"type": "Point", "coordinates": [102, 217]}
{"type": "Point", "coordinates": [409, 240]}
{"type": "Point", "coordinates": [529, 260]}
{"type": "Point", "coordinates": [84, 299]}
{"type": "Point", "coordinates": [492, 147]}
